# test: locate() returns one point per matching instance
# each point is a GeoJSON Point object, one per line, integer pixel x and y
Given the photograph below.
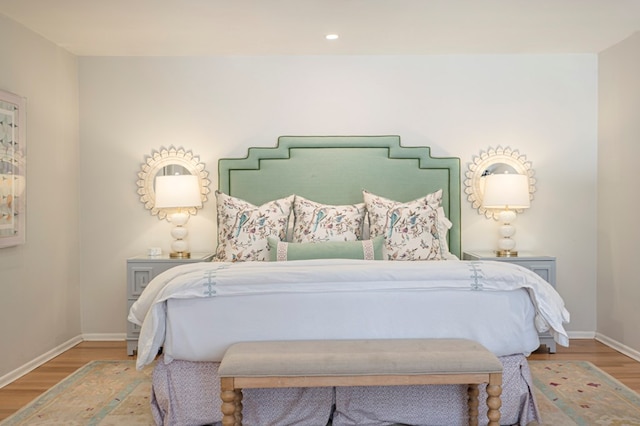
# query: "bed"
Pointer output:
{"type": "Point", "coordinates": [398, 281]}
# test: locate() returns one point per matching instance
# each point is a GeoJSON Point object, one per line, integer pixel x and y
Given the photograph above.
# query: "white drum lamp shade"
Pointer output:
{"type": "Point", "coordinates": [506, 191]}
{"type": "Point", "coordinates": [177, 191]}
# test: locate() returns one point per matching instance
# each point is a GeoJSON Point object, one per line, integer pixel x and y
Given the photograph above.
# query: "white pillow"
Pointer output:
{"type": "Point", "coordinates": [315, 222]}
{"type": "Point", "coordinates": [243, 228]}
{"type": "Point", "coordinates": [415, 230]}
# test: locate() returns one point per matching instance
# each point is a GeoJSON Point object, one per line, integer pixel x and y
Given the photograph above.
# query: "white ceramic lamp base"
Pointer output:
{"type": "Point", "coordinates": [506, 244]}
{"type": "Point", "coordinates": [179, 247]}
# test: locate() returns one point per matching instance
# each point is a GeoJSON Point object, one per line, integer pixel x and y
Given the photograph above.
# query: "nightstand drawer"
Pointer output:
{"type": "Point", "coordinates": [139, 277]}
{"type": "Point", "coordinates": [546, 270]}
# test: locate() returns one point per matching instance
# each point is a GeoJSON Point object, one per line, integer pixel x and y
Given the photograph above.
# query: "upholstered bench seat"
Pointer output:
{"type": "Point", "coordinates": [385, 362]}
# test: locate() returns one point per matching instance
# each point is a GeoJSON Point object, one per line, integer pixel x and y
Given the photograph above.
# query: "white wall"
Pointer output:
{"type": "Point", "coordinates": [40, 300]}
{"type": "Point", "coordinates": [543, 105]}
{"type": "Point", "coordinates": [618, 231]}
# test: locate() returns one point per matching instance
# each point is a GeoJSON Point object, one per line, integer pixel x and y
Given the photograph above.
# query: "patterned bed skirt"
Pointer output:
{"type": "Point", "coordinates": [188, 393]}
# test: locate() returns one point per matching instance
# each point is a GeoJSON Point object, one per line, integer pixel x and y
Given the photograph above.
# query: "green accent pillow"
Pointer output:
{"type": "Point", "coordinates": [367, 249]}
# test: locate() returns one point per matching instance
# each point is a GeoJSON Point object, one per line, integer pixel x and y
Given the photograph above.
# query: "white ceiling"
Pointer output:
{"type": "Point", "coordinates": [297, 27]}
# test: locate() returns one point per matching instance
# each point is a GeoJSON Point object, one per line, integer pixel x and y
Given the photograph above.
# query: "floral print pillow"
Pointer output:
{"type": "Point", "coordinates": [315, 222]}
{"type": "Point", "coordinates": [243, 228]}
{"type": "Point", "coordinates": [413, 231]}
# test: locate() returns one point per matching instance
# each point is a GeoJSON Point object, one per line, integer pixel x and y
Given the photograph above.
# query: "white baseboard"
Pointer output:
{"type": "Point", "coordinates": [581, 335]}
{"type": "Point", "coordinates": [104, 337]}
{"type": "Point", "coordinates": [37, 362]}
{"type": "Point", "coordinates": [626, 350]}
{"type": "Point", "coordinates": [33, 364]}
{"type": "Point", "coordinates": [613, 344]}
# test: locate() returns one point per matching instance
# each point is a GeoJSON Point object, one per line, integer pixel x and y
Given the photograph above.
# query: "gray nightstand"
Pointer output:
{"type": "Point", "coordinates": [140, 271]}
{"type": "Point", "coordinates": [544, 266]}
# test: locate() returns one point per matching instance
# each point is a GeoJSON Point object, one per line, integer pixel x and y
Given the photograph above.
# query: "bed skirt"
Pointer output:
{"type": "Point", "coordinates": [188, 393]}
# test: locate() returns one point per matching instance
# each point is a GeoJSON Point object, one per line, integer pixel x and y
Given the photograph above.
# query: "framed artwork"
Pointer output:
{"type": "Point", "coordinates": [13, 162]}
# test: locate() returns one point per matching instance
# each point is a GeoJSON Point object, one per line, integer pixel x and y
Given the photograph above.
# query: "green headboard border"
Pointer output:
{"type": "Point", "coordinates": [335, 170]}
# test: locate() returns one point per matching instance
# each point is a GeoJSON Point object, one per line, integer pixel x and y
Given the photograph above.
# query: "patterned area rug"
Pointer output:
{"type": "Point", "coordinates": [579, 393]}
{"type": "Point", "coordinates": [110, 393]}
{"type": "Point", "coordinates": [106, 393]}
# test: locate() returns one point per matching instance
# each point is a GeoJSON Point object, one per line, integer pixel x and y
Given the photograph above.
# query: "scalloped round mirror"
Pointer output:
{"type": "Point", "coordinates": [493, 161]}
{"type": "Point", "coordinates": [164, 162]}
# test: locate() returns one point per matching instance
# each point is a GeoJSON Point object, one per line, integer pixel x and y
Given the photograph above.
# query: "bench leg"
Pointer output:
{"type": "Point", "coordinates": [473, 404]}
{"type": "Point", "coordinates": [238, 402]}
{"type": "Point", "coordinates": [231, 403]}
{"type": "Point", "coordinates": [494, 390]}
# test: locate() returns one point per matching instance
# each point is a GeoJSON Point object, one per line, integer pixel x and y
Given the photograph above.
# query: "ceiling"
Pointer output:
{"type": "Point", "coordinates": [298, 27]}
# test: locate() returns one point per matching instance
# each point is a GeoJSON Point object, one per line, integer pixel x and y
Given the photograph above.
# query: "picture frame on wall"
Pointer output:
{"type": "Point", "coordinates": [13, 162]}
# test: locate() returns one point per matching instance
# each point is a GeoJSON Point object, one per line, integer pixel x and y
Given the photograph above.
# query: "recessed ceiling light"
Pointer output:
{"type": "Point", "coordinates": [331, 36]}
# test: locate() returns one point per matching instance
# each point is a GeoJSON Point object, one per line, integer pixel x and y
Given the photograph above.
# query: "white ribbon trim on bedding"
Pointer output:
{"type": "Point", "coordinates": [220, 279]}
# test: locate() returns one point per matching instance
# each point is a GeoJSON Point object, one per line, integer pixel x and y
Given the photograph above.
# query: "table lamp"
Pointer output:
{"type": "Point", "coordinates": [507, 192]}
{"type": "Point", "coordinates": [178, 192]}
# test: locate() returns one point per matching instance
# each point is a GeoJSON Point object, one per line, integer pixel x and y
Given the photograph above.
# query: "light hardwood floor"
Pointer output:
{"type": "Point", "coordinates": [22, 391]}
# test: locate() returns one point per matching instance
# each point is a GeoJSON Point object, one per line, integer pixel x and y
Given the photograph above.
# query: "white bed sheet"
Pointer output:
{"type": "Point", "coordinates": [202, 329]}
{"type": "Point", "coordinates": [339, 298]}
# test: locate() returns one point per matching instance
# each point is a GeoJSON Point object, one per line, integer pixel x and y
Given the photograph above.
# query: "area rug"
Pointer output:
{"type": "Point", "coordinates": [110, 393]}
{"type": "Point", "coordinates": [106, 393]}
{"type": "Point", "coordinates": [579, 393]}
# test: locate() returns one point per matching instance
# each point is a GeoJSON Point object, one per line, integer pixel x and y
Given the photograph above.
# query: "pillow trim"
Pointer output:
{"type": "Point", "coordinates": [281, 251]}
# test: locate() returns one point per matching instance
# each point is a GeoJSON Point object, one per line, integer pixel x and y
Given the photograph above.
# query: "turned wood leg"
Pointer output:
{"type": "Point", "coordinates": [473, 404]}
{"type": "Point", "coordinates": [228, 396]}
{"type": "Point", "coordinates": [494, 390]}
{"type": "Point", "coordinates": [238, 403]}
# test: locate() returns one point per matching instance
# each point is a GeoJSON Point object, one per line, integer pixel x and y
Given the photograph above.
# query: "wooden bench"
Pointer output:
{"type": "Point", "coordinates": [385, 362]}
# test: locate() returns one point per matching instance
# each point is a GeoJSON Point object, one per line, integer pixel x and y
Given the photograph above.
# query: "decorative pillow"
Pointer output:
{"type": "Point", "coordinates": [315, 222]}
{"type": "Point", "coordinates": [413, 231]}
{"type": "Point", "coordinates": [367, 250]}
{"type": "Point", "coordinates": [243, 228]}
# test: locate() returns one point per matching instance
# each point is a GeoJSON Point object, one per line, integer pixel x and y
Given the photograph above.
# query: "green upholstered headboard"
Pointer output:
{"type": "Point", "coordinates": [335, 170]}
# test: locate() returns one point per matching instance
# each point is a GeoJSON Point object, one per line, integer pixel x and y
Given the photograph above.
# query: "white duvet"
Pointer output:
{"type": "Point", "coordinates": [220, 279]}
